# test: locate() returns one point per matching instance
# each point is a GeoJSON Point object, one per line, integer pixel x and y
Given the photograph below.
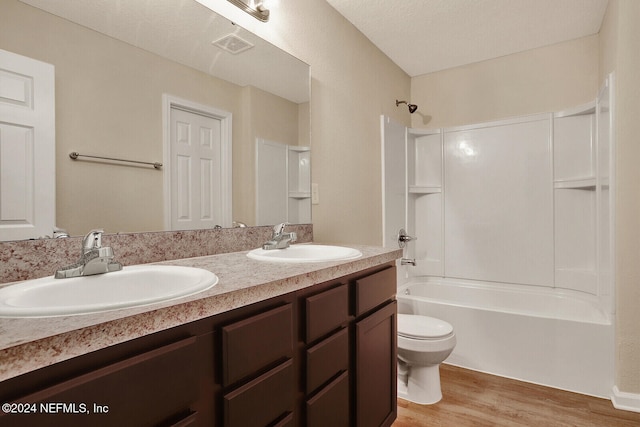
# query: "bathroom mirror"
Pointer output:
{"type": "Point", "coordinates": [113, 62]}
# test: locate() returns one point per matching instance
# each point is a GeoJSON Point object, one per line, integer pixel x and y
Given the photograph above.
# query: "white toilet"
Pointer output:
{"type": "Point", "coordinates": [423, 343]}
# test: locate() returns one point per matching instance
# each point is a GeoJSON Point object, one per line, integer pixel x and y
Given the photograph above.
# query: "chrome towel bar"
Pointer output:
{"type": "Point", "coordinates": [74, 155]}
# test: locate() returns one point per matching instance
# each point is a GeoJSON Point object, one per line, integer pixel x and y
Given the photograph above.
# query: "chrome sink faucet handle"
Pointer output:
{"type": "Point", "coordinates": [278, 230]}
{"type": "Point", "coordinates": [93, 240]}
{"type": "Point", "coordinates": [280, 239]}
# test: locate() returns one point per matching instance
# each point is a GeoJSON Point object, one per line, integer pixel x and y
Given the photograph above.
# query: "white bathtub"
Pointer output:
{"type": "Point", "coordinates": [562, 339]}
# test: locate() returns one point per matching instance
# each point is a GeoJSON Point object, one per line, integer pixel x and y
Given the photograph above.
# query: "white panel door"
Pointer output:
{"type": "Point", "coordinates": [27, 147]}
{"type": "Point", "coordinates": [197, 165]}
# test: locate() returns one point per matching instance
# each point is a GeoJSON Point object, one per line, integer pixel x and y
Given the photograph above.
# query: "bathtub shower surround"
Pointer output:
{"type": "Point", "coordinates": [514, 218]}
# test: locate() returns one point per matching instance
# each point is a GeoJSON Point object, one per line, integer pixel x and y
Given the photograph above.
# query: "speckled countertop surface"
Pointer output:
{"type": "Point", "coordinates": [31, 343]}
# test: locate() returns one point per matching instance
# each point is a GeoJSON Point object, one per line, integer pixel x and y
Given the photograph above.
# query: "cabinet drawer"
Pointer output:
{"type": "Point", "coordinates": [190, 420]}
{"type": "Point", "coordinates": [263, 400]}
{"type": "Point", "coordinates": [252, 344]}
{"type": "Point", "coordinates": [330, 407]}
{"type": "Point", "coordinates": [326, 312]}
{"type": "Point", "coordinates": [143, 390]}
{"type": "Point", "coordinates": [285, 422]}
{"type": "Point", "coordinates": [373, 290]}
{"type": "Point", "coordinates": [326, 359]}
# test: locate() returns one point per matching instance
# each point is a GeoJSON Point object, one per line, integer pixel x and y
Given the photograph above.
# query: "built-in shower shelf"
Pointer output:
{"type": "Point", "coordinates": [299, 194]}
{"type": "Point", "coordinates": [588, 183]}
{"type": "Point", "coordinates": [419, 189]}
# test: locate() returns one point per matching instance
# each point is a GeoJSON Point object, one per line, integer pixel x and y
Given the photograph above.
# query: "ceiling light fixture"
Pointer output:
{"type": "Point", "coordinates": [255, 8]}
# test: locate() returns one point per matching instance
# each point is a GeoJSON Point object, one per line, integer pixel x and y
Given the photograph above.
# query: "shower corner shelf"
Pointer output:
{"type": "Point", "coordinates": [581, 110]}
{"type": "Point", "coordinates": [423, 132]}
{"type": "Point", "coordinates": [421, 189]}
{"type": "Point", "coordinates": [588, 183]}
{"type": "Point", "coordinates": [300, 194]}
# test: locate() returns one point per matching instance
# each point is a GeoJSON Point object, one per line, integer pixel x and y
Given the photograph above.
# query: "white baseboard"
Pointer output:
{"type": "Point", "coordinates": [625, 401]}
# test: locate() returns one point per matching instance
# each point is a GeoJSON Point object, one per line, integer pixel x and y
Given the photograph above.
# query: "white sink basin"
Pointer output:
{"type": "Point", "coordinates": [131, 287]}
{"type": "Point", "coordinates": [306, 253]}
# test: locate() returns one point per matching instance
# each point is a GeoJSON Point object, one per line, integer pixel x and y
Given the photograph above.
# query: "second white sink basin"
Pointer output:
{"type": "Point", "coordinates": [306, 253]}
{"type": "Point", "coordinates": [131, 287]}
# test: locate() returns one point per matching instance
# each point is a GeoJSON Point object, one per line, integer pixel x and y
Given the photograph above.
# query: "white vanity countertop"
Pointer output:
{"type": "Point", "coordinates": [30, 343]}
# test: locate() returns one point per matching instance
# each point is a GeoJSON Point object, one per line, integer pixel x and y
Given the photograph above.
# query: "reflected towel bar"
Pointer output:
{"type": "Point", "coordinates": [74, 155]}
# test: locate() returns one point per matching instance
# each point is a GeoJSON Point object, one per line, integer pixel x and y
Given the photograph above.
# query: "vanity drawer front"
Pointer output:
{"type": "Point", "coordinates": [262, 401]}
{"type": "Point", "coordinates": [253, 344]}
{"type": "Point", "coordinates": [285, 422]}
{"type": "Point", "coordinates": [326, 312]}
{"type": "Point", "coordinates": [142, 390]}
{"type": "Point", "coordinates": [330, 407]}
{"type": "Point", "coordinates": [190, 420]}
{"type": "Point", "coordinates": [374, 290]}
{"type": "Point", "coordinates": [326, 359]}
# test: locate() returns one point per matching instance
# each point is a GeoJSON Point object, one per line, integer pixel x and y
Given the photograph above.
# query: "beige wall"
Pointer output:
{"type": "Point", "coordinates": [540, 80]}
{"type": "Point", "coordinates": [109, 102]}
{"type": "Point", "coordinates": [620, 52]}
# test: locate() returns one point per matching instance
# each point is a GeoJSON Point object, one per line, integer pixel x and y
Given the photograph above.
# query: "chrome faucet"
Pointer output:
{"type": "Point", "coordinates": [280, 239]}
{"type": "Point", "coordinates": [95, 259]}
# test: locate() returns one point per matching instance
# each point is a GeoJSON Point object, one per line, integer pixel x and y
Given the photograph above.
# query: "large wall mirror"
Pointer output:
{"type": "Point", "coordinates": [115, 62]}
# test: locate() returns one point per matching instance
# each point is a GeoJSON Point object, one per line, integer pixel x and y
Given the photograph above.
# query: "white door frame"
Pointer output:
{"type": "Point", "coordinates": [225, 117]}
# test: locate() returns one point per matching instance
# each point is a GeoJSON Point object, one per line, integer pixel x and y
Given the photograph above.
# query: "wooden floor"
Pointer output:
{"type": "Point", "coordinates": [475, 399]}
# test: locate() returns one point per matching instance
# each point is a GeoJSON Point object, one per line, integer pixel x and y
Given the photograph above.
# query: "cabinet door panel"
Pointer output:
{"type": "Point", "coordinates": [376, 381]}
{"type": "Point", "coordinates": [263, 400]}
{"type": "Point", "coordinates": [374, 290]}
{"type": "Point", "coordinates": [330, 407]}
{"type": "Point", "coordinates": [253, 344]}
{"type": "Point", "coordinates": [327, 312]}
{"type": "Point", "coordinates": [143, 390]}
{"type": "Point", "coordinates": [326, 359]}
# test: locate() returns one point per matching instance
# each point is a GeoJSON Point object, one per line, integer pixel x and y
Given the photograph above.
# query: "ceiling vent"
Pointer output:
{"type": "Point", "coordinates": [233, 44]}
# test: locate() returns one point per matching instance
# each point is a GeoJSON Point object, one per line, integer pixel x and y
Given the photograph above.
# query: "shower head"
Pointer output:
{"type": "Point", "coordinates": [412, 107]}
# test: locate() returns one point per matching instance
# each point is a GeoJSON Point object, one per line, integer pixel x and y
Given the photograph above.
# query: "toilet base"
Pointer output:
{"type": "Point", "coordinates": [422, 385]}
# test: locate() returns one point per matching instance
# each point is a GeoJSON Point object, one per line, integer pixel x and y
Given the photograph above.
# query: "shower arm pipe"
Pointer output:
{"type": "Point", "coordinates": [412, 107]}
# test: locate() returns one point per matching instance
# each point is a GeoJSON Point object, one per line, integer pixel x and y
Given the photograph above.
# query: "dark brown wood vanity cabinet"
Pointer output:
{"type": "Point", "coordinates": [323, 356]}
{"type": "Point", "coordinates": [155, 387]}
{"type": "Point", "coordinates": [258, 369]}
{"type": "Point", "coordinates": [376, 349]}
{"type": "Point", "coordinates": [350, 352]}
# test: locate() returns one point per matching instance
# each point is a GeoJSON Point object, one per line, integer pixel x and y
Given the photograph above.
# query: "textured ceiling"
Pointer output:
{"type": "Point", "coordinates": [423, 36]}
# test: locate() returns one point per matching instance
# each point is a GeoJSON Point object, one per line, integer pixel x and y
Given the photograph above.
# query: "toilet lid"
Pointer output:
{"type": "Point", "coordinates": [422, 327]}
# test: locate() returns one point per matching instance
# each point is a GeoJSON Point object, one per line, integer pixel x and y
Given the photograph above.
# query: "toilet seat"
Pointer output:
{"type": "Point", "coordinates": [422, 327]}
